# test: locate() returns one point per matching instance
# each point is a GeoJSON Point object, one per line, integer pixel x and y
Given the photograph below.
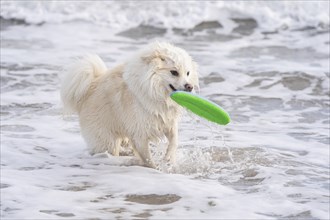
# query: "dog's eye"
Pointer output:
{"type": "Point", "coordinates": [188, 73]}
{"type": "Point", "coordinates": [174, 73]}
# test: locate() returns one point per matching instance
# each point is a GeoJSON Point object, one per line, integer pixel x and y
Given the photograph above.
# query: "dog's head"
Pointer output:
{"type": "Point", "coordinates": [163, 69]}
{"type": "Point", "coordinates": [172, 67]}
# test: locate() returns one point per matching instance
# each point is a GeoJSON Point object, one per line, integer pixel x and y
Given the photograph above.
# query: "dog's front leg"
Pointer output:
{"type": "Point", "coordinates": [141, 148]}
{"type": "Point", "coordinates": [172, 136]}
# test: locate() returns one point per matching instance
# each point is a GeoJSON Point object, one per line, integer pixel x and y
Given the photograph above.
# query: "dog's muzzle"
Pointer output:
{"type": "Point", "coordinates": [172, 87]}
{"type": "Point", "coordinates": [187, 88]}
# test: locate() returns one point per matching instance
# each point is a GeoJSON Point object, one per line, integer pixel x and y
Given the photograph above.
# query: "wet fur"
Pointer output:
{"type": "Point", "coordinates": [130, 102]}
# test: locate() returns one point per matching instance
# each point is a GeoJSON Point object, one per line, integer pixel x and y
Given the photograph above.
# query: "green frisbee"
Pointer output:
{"type": "Point", "coordinates": [201, 107]}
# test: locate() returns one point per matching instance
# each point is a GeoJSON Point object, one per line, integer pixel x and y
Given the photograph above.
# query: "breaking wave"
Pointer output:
{"type": "Point", "coordinates": [122, 15]}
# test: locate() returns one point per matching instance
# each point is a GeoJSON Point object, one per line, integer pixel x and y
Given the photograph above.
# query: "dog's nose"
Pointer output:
{"type": "Point", "coordinates": [188, 87]}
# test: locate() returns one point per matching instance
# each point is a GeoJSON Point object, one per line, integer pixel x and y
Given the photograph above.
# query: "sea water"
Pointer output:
{"type": "Point", "coordinates": [265, 62]}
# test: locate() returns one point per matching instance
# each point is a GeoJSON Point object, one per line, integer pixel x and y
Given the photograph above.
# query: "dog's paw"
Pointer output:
{"type": "Point", "coordinates": [170, 158]}
{"type": "Point", "coordinates": [150, 164]}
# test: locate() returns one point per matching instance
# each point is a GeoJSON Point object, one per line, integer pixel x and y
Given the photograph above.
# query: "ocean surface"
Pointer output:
{"type": "Point", "coordinates": [265, 62]}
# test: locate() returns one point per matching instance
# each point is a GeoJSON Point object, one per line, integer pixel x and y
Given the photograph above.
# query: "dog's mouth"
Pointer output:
{"type": "Point", "coordinates": [173, 88]}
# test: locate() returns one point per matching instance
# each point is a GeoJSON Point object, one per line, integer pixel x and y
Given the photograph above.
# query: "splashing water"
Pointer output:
{"type": "Point", "coordinates": [269, 70]}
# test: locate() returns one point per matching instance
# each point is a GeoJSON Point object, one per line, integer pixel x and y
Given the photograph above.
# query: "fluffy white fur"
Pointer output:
{"type": "Point", "coordinates": [130, 102]}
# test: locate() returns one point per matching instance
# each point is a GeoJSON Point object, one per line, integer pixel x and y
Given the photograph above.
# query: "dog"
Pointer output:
{"type": "Point", "coordinates": [130, 102]}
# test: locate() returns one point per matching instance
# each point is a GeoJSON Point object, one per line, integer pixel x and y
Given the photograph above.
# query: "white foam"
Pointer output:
{"type": "Point", "coordinates": [277, 165]}
{"type": "Point", "coordinates": [119, 15]}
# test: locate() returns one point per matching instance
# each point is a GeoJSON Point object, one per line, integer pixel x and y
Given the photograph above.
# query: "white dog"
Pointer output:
{"type": "Point", "coordinates": [132, 101]}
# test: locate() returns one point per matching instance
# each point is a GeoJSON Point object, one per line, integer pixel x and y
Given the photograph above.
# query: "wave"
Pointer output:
{"type": "Point", "coordinates": [122, 15]}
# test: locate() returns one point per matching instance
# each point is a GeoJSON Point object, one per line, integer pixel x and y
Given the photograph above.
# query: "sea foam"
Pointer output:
{"type": "Point", "coordinates": [120, 15]}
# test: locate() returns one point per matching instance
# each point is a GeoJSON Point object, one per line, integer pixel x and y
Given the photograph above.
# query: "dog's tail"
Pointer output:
{"type": "Point", "coordinates": [78, 80]}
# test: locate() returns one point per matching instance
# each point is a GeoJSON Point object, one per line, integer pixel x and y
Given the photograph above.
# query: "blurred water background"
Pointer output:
{"type": "Point", "coordinates": [265, 62]}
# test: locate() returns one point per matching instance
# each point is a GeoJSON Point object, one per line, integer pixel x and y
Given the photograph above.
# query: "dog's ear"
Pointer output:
{"type": "Point", "coordinates": [156, 55]}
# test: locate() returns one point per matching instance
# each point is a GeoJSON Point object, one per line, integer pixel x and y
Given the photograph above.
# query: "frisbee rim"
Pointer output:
{"type": "Point", "coordinates": [203, 107]}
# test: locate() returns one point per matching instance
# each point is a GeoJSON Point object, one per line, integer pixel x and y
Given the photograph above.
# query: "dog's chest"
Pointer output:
{"type": "Point", "coordinates": [162, 122]}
